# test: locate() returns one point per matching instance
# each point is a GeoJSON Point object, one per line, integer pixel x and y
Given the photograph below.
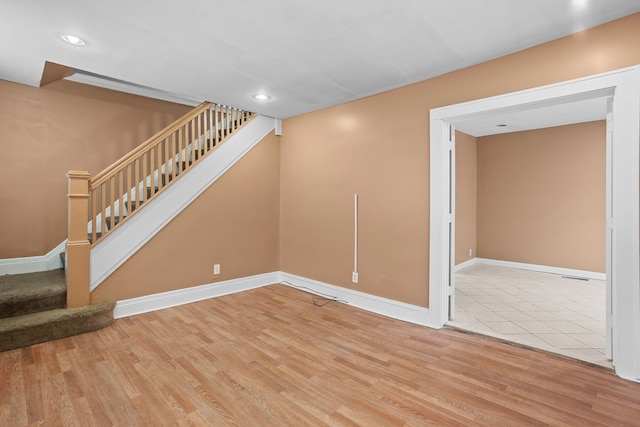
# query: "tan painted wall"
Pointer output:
{"type": "Point", "coordinates": [541, 196]}
{"type": "Point", "coordinates": [379, 147]}
{"type": "Point", "coordinates": [466, 196]}
{"type": "Point", "coordinates": [45, 132]}
{"type": "Point", "coordinates": [234, 223]}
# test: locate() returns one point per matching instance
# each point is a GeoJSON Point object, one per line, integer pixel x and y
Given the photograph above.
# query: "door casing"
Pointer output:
{"type": "Point", "coordinates": [623, 194]}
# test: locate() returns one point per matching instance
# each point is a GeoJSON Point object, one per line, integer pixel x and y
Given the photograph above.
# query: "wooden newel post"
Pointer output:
{"type": "Point", "coordinates": [78, 246]}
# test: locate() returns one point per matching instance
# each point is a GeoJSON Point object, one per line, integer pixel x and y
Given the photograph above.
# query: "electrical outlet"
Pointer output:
{"type": "Point", "coordinates": [354, 277]}
{"type": "Point", "coordinates": [216, 268]}
{"type": "Point", "coordinates": [470, 252]}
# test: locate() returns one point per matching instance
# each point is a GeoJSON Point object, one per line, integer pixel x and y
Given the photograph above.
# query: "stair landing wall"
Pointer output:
{"type": "Point", "coordinates": [234, 223]}
{"type": "Point", "coordinates": [50, 130]}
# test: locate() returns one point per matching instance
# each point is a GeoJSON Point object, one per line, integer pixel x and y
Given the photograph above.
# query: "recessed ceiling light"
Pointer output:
{"type": "Point", "coordinates": [262, 97]}
{"type": "Point", "coordinates": [74, 40]}
{"type": "Point", "coordinates": [501, 125]}
{"type": "Point", "coordinates": [580, 4]}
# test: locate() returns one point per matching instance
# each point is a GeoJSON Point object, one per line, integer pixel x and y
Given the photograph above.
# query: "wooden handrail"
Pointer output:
{"type": "Point", "coordinates": [120, 190]}
{"type": "Point", "coordinates": [99, 178]}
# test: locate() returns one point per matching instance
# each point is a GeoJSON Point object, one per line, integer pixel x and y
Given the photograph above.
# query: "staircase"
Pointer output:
{"type": "Point", "coordinates": [124, 187]}
{"type": "Point", "coordinates": [39, 307]}
{"type": "Point", "coordinates": [33, 310]}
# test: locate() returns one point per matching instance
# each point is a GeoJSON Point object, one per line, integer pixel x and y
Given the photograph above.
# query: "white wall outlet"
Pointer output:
{"type": "Point", "coordinates": [354, 277]}
{"type": "Point", "coordinates": [216, 268]}
{"type": "Point", "coordinates": [470, 252]}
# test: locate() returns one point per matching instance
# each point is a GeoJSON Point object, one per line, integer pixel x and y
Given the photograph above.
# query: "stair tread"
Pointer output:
{"type": "Point", "coordinates": [22, 294]}
{"type": "Point", "coordinates": [116, 220]}
{"type": "Point", "coordinates": [27, 292]}
{"type": "Point", "coordinates": [44, 317]}
{"type": "Point", "coordinates": [39, 279]}
{"type": "Point", "coordinates": [34, 328]}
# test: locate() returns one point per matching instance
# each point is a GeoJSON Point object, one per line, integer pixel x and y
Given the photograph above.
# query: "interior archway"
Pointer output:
{"type": "Point", "coordinates": [623, 253]}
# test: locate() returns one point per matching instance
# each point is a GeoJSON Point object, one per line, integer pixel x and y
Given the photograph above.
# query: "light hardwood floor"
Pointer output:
{"type": "Point", "coordinates": [269, 357]}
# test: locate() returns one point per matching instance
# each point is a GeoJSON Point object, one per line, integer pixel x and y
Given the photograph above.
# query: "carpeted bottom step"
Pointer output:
{"type": "Point", "coordinates": [34, 328]}
{"type": "Point", "coordinates": [32, 292]}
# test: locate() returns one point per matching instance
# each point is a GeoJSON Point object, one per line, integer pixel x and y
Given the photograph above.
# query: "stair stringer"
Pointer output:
{"type": "Point", "coordinates": [125, 241]}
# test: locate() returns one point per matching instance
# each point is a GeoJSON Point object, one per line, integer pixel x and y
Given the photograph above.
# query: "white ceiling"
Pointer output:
{"type": "Point", "coordinates": [519, 119]}
{"type": "Point", "coordinates": [306, 54]}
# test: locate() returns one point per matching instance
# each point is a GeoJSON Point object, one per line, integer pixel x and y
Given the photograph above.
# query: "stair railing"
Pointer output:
{"type": "Point", "coordinates": [120, 190]}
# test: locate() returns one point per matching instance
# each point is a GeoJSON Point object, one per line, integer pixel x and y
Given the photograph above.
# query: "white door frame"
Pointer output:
{"type": "Point", "coordinates": [623, 193]}
{"type": "Point", "coordinates": [451, 291]}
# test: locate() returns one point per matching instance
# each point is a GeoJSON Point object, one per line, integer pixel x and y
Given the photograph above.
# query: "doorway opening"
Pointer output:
{"type": "Point", "coordinates": [623, 199]}
{"type": "Point", "coordinates": [535, 195]}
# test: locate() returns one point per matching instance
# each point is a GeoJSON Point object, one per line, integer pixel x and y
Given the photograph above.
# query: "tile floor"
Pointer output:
{"type": "Point", "coordinates": [541, 310]}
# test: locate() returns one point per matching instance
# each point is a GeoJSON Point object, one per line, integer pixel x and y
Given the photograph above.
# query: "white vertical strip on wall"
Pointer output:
{"type": "Point", "coordinates": [355, 233]}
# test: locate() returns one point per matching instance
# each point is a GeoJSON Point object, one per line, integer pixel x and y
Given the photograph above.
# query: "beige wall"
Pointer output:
{"type": "Point", "coordinates": [329, 156]}
{"type": "Point", "coordinates": [541, 196]}
{"type": "Point", "coordinates": [466, 197]}
{"type": "Point", "coordinates": [378, 147]}
{"type": "Point", "coordinates": [45, 132]}
{"type": "Point", "coordinates": [234, 223]}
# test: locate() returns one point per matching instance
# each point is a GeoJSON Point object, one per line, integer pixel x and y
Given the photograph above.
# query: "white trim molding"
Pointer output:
{"type": "Point", "coordinates": [34, 264]}
{"type": "Point", "coordinates": [386, 307]}
{"type": "Point", "coordinates": [97, 80]}
{"type": "Point", "coordinates": [467, 263]}
{"type": "Point", "coordinates": [383, 306]}
{"type": "Point", "coordinates": [118, 246]}
{"type": "Point", "coordinates": [583, 274]}
{"type": "Point", "coordinates": [623, 196]}
{"type": "Point", "coordinates": [147, 303]}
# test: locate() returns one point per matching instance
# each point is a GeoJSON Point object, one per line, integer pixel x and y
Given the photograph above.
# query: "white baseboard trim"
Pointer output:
{"type": "Point", "coordinates": [145, 304]}
{"type": "Point", "coordinates": [386, 307]}
{"type": "Point", "coordinates": [544, 269]}
{"type": "Point", "coordinates": [463, 265]}
{"type": "Point", "coordinates": [33, 264]}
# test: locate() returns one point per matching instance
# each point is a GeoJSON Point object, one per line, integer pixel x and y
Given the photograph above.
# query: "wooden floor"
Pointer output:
{"type": "Point", "coordinates": [269, 357]}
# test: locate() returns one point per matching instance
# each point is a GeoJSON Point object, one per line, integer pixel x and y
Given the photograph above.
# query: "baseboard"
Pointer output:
{"type": "Point", "coordinates": [386, 307]}
{"type": "Point", "coordinates": [145, 304]}
{"type": "Point", "coordinates": [544, 269]}
{"type": "Point", "coordinates": [463, 265]}
{"type": "Point", "coordinates": [33, 264]}
{"type": "Point", "coordinates": [383, 306]}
